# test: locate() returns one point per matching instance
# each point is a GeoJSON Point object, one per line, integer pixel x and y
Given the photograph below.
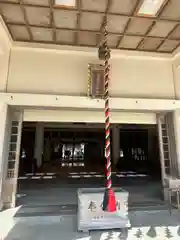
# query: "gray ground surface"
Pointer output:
{"type": "Point", "coordinates": [149, 225]}
{"type": "Point", "coordinates": [49, 212]}
{"type": "Point", "coordinates": [59, 192]}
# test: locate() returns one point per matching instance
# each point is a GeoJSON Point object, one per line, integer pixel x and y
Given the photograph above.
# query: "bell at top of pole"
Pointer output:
{"type": "Point", "coordinates": [102, 51]}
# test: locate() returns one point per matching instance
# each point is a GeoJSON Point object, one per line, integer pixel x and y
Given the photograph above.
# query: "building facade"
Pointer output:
{"type": "Point", "coordinates": [44, 83]}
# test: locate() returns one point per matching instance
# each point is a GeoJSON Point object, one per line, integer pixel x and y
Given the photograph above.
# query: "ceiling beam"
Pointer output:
{"type": "Point", "coordinates": [146, 35]}
{"type": "Point", "coordinates": [52, 20]}
{"type": "Point", "coordinates": [79, 5]}
{"type": "Point", "coordinates": [123, 33]}
{"type": "Point", "coordinates": [167, 37]}
{"type": "Point", "coordinates": [162, 8]}
{"type": "Point", "coordinates": [82, 103]}
{"type": "Point", "coordinates": [128, 22]}
{"type": "Point", "coordinates": [100, 35]}
{"type": "Point", "coordinates": [79, 10]}
{"type": "Point", "coordinates": [26, 21]}
{"type": "Point", "coordinates": [93, 46]}
{"type": "Point", "coordinates": [83, 30]}
{"type": "Point", "coordinates": [89, 11]}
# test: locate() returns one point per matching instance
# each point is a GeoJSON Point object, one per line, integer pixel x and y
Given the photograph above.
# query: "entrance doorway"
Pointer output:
{"type": "Point", "coordinates": [73, 156]}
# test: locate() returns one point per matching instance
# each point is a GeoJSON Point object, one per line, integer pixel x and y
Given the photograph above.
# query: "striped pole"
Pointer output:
{"type": "Point", "coordinates": [109, 203]}
{"type": "Point", "coordinates": [107, 109]}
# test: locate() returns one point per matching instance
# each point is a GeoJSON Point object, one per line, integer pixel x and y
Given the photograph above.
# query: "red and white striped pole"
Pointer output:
{"type": "Point", "coordinates": [109, 201]}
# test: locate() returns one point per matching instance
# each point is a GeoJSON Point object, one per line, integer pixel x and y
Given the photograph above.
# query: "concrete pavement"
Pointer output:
{"type": "Point", "coordinates": [153, 225]}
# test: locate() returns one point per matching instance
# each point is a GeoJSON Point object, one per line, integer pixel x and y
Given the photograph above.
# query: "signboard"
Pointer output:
{"type": "Point", "coordinates": [91, 215]}
{"type": "Point", "coordinates": [96, 81]}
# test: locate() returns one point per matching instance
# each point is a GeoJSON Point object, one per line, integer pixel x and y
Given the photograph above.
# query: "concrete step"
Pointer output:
{"type": "Point", "coordinates": [71, 209]}
{"type": "Point", "coordinates": [46, 210]}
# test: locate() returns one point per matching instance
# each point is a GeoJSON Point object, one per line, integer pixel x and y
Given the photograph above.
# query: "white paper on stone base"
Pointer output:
{"type": "Point", "coordinates": [90, 213]}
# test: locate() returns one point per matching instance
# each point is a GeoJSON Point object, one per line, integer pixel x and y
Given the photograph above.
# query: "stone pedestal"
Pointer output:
{"type": "Point", "coordinates": [91, 216]}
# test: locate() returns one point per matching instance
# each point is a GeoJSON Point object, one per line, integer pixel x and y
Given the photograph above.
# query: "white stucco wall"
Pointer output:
{"type": "Point", "coordinates": [33, 71]}
{"type": "Point", "coordinates": [4, 59]}
{"type": "Point", "coordinates": [4, 136]}
{"type": "Point", "coordinates": [5, 46]}
{"type": "Point", "coordinates": [87, 116]}
{"type": "Point", "coordinates": [176, 71]}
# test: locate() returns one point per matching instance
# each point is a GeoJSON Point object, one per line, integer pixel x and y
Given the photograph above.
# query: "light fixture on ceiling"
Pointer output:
{"type": "Point", "coordinates": [150, 7]}
{"type": "Point", "coordinates": [65, 3]}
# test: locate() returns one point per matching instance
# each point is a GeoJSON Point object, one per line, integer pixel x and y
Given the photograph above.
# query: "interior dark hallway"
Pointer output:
{"type": "Point", "coordinates": [83, 150]}
{"type": "Point", "coordinates": [74, 158]}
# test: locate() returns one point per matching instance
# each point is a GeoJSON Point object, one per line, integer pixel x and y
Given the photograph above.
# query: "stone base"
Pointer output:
{"type": "Point", "coordinates": [90, 213]}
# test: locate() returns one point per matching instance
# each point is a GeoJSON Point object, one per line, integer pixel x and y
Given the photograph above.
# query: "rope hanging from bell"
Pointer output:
{"type": "Point", "coordinates": [109, 201]}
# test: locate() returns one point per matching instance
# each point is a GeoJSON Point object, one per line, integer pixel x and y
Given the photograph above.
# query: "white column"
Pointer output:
{"type": "Point", "coordinates": [176, 122]}
{"type": "Point", "coordinates": [4, 135]}
{"type": "Point", "coordinates": [39, 143]}
{"type": "Point", "coordinates": [115, 142]}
